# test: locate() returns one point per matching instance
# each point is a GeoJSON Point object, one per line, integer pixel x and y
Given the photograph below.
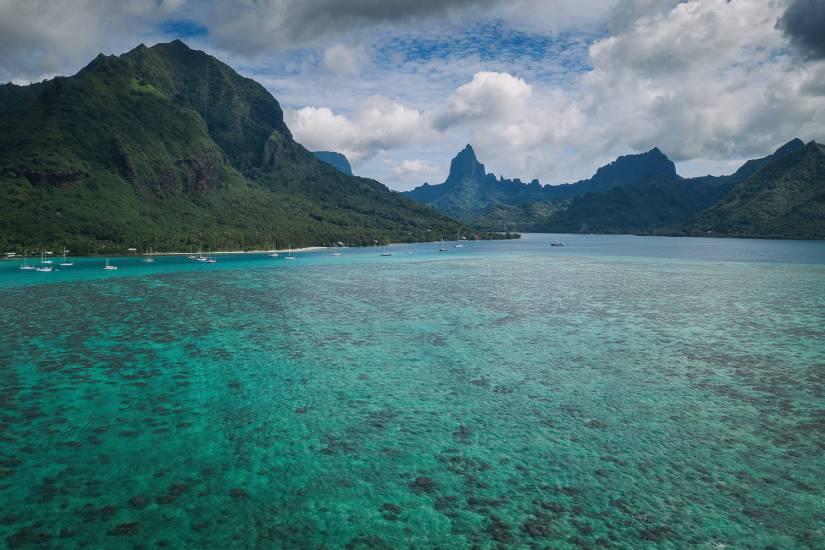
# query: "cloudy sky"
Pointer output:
{"type": "Point", "coordinates": [546, 89]}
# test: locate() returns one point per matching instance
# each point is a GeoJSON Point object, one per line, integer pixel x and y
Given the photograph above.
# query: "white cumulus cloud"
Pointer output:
{"type": "Point", "coordinates": [379, 124]}
{"type": "Point", "coordinates": [489, 96]}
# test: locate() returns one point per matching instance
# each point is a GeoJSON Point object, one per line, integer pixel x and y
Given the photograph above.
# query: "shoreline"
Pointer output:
{"type": "Point", "coordinates": [226, 252]}
{"type": "Point", "coordinates": [136, 254]}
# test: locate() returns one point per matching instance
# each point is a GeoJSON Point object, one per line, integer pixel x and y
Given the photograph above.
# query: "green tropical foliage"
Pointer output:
{"type": "Point", "coordinates": [167, 147]}
{"type": "Point", "coordinates": [784, 199]}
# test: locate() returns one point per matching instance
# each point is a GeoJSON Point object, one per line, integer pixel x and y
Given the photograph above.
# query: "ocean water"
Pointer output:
{"type": "Point", "coordinates": [618, 392]}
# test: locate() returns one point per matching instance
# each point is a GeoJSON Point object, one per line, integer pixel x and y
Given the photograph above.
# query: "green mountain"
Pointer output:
{"type": "Point", "coordinates": [469, 190]}
{"type": "Point", "coordinates": [753, 166]}
{"type": "Point", "coordinates": [779, 195]}
{"type": "Point", "coordinates": [336, 160]}
{"type": "Point", "coordinates": [170, 148]}
{"type": "Point", "coordinates": [657, 205]}
{"type": "Point", "coordinates": [634, 208]}
{"type": "Point", "coordinates": [782, 199]}
{"type": "Point", "coordinates": [474, 196]}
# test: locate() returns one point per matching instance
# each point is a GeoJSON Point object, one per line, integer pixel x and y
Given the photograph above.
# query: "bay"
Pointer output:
{"type": "Point", "coordinates": [619, 391]}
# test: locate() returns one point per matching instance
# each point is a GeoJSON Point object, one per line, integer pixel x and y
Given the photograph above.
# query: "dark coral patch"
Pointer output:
{"type": "Point", "coordinates": [497, 529]}
{"type": "Point", "coordinates": [125, 529]}
{"type": "Point", "coordinates": [554, 507]}
{"type": "Point", "coordinates": [172, 493]}
{"type": "Point", "coordinates": [655, 534]}
{"type": "Point", "coordinates": [139, 502]}
{"type": "Point", "coordinates": [27, 536]}
{"type": "Point", "coordinates": [536, 527]}
{"type": "Point", "coordinates": [90, 513]}
{"type": "Point", "coordinates": [422, 484]}
{"type": "Point", "coordinates": [462, 433]}
{"type": "Point", "coordinates": [391, 512]}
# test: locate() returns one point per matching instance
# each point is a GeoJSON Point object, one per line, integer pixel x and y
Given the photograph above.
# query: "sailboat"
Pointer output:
{"type": "Point", "coordinates": [289, 254]}
{"type": "Point", "coordinates": [209, 258]}
{"type": "Point", "coordinates": [384, 253]}
{"type": "Point", "coordinates": [149, 259]}
{"type": "Point", "coordinates": [274, 250]}
{"type": "Point", "coordinates": [43, 260]}
{"type": "Point", "coordinates": [458, 238]}
{"type": "Point", "coordinates": [65, 262]}
{"type": "Point", "coordinates": [108, 266]}
{"type": "Point", "coordinates": [200, 257]}
{"type": "Point", "coordinates": [26, 266]}
{"type": "Point", "coordinates": [43, 267]}
{"type": "Point", "coordinates": [335, 250]}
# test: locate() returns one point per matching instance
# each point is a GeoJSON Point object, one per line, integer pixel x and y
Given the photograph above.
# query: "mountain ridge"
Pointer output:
{"type": "Point", "coordinates": [653, 204]}
{"type": "Point", "coordinates": [468, 192]}
{"type": "Point", "coordinates": [640, 193]}
{"type": "Point", "coordinates": [168, 147]}
{"type": "Point", "coordinates": [783, 199]}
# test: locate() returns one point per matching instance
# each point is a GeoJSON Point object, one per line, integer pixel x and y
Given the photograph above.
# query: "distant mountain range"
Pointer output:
{"type": "Point", "coordinates": [170, 148]}
{"type": "Point", "coordinates": [780, 195]}
{"type": "Point", "coordinates": [336, 160]}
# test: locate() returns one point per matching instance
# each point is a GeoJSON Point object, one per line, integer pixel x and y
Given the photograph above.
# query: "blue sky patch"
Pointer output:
{"type": "Point", "coordinates": [182, 28]}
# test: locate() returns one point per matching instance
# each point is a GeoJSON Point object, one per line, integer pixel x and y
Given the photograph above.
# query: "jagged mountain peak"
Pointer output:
{"type": "Point", "coordinates": [466, 165]}
{"type": "Point", "coordinates": [630, 168]}
{"type": "Point", "coordinates": [652, 159]}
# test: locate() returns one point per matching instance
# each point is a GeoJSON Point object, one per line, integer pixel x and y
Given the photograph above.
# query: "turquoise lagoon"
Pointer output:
{"type": "Point", "coordinates": [621, 392]}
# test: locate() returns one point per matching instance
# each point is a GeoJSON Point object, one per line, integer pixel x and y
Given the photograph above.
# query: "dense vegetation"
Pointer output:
{"type": "Point", "coordinates": [167, 147]}
{"type": "Point", "coordinates": [784, 199]}
{"type": "Point", "coordinates": [780, 195]}
{"type": "Point", "coordinates": [636, 207]}
{"type": "Point", "coordinates": [525, 217]}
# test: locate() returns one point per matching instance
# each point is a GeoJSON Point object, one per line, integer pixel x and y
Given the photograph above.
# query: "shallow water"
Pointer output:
{"type": "Point", "coordinates": [617, 392]}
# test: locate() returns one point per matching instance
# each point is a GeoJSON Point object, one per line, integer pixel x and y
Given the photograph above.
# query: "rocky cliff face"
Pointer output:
{"type": "Point", "coordinates": [465, 166]}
